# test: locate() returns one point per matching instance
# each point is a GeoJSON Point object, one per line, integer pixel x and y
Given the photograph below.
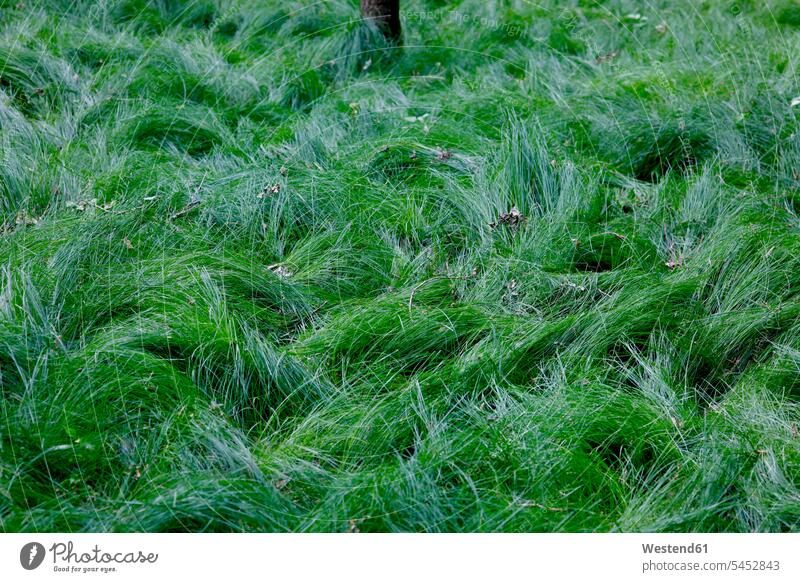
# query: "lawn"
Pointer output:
{"type": "Point", "coordinates": [536, 270]}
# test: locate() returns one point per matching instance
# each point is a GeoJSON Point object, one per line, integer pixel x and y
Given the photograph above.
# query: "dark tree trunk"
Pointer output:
{"type": "Point", "coordinates": [384, 15]}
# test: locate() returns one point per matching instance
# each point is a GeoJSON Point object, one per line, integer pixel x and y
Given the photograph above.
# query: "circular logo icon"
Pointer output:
{"type": "Point", "coordinates": [31, 555]}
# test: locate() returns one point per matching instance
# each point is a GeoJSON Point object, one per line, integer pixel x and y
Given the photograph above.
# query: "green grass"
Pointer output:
{"type": "Point", "coordinates": [260, 271]}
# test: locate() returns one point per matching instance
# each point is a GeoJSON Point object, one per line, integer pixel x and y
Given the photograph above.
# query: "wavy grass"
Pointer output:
{"type": "Point", "coordinates": [260, 271]}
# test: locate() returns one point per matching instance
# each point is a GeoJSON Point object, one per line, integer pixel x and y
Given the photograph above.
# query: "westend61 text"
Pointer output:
{"type": "Point", "coordinates": [671, 549]}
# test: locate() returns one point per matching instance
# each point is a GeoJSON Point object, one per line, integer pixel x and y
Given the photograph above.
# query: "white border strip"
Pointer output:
{"type": "Point", "coordinates": [441, 557]}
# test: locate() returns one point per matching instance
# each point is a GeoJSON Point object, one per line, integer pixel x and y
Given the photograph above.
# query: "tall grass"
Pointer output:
{"type": "Point", "coordinates": [536, 270]}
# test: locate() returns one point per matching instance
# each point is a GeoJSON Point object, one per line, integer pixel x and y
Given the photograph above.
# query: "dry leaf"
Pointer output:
{"type": "Point", "coordinates": [604, 58]}
{"type": "Point", "coordinates": [280, 270]}
{"type": "Point", "coordinates": [269, 190]}
{"type": "Point", "coordinates": [512, 219]}
{"type": "Point", "coordinates": [24, 218]}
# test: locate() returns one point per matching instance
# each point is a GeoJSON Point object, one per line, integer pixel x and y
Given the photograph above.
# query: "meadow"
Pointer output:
{"type": "Point", "coordinates": [535, 270]}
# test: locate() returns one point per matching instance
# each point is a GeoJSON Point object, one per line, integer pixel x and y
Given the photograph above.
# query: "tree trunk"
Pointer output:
{"type": "Point", "coordinates": [384, 15]}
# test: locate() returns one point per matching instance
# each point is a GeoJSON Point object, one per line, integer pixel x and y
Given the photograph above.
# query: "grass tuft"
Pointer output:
{"type": "Point", "coordinates": [534, 270]}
